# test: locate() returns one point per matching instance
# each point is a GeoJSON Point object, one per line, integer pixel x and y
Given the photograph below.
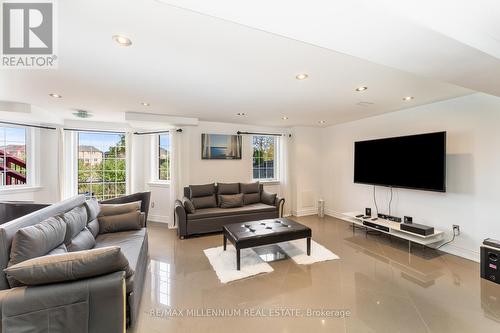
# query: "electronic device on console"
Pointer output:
{"type": "Point", "coordinates": [368, 211]}
{"type": "Point", "coordinates": [490, 256]}
{"type": "Point", "coordinates": [376, 226]}
{"type": "Point", "coordinates": [419, 229]}
{"type": "Point", "coordinates": [408, 219]}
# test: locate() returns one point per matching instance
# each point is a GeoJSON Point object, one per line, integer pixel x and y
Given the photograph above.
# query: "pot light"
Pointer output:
{"type": "Point", "coordinates": [361, 88]}
{"type": "Point", "coordinates": [122, 40]}
{"type": "Point", "coordinates": [241, 114]}
{"type": "Point", "coordinates": [322, 122]}
{"type": "Point", "coordinates": [408, 98]}
{"type": "Point", "coordinates": [301, 76]}
{"type": "Point", "coordinates": [284, 118]}
{"type": "Point", "coordinates": [55, 95]}
{"type": "Point", "coordinates": [145, 104]}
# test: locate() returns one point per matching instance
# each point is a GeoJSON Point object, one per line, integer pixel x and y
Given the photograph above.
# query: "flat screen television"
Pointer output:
{"type": "Point", "coordinates": [413, 162]}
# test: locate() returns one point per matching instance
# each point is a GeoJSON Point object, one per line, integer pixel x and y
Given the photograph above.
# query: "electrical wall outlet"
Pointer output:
{"type": "Point", "coordinates": [152, 204]}
{"type": "Point", "coordinates": [456, 228]}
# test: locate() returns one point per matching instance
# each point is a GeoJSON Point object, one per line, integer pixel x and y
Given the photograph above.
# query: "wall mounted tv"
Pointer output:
{"type": "Point", "coordinates": [413, 162]}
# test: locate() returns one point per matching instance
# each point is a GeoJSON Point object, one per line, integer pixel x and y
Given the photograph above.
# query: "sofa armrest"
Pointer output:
{"type": "Point", "coordinates": [279, 203]}
{"type": "Point", "coordinates": [91, 305]}
{"type": "Point", "coordinates": [180, 219]}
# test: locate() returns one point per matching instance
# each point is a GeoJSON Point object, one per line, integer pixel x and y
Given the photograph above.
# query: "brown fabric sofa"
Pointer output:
{"type": "Point", "coordinates": [208, 218]}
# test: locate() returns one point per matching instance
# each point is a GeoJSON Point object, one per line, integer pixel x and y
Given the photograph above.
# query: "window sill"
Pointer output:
{"type": "Point", "coordinates": [159, 184]}
{"type": "Point", "coordinates": [19, 189]}
{"type": "Point", "coordinates": [268, 182]}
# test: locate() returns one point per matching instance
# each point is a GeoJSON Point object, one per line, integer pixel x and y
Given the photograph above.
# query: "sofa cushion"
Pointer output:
{"type": "Point", "coordinates": [76, 220]}
{"type": "Point", "coordinates": [93, 226]}
{"type": "Point", "coordinates": [83, 241]}
{"type": "Point", "coordinates": [37, 240]}
{"type": "Point", "coordinates": [120, 222]}
{"type": "Point", "coordinates": [93, 209]}
{"type": "Point", "coordinates": [216, 212]}
{"type": "Point", "coordinates": [204, 202]}
{"type": "Point", "coordinates": [251, 198]}
{"type": "Point", "coordinates": [58, 250]}
{"type": "Point", "coordinates": [250, 187]}
{"type": "Point", "coordinates": [201, 190]}
{"type": "Point", "coordinates": [69, 266]}
{"type": "Point", "coordinates": [268, 198]}
{"type": "Point", "coordinates": [117, 209]}
{"type": "Point", "coordinates": [188, 205]}
{"type": "Point", "coordinates": [228, 188]}
{"type": "Point", "coordinates": [231, 200]}
{"type": "Point", "coordinates": [133, 245]}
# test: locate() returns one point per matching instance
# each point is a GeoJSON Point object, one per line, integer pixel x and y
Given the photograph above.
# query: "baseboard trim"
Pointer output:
{"type": "Point", "coordinates": [450, 248]}
{"type": "Point", "coordinates": [304, 212]}
{"type": "Point", "coordinates": [158, 218]}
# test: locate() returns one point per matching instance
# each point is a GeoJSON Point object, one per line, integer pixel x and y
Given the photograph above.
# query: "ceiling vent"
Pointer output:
{"type": "Point", "coordinates": [365, 103]}
{"type": "Point", "coordinates": [82, 114]}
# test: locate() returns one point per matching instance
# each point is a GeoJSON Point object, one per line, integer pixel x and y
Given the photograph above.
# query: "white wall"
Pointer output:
{"type": "Point", "coordinates": [198, 171]}
{"type": "Point", "coordinates": [305, 163]}
{"type": "Point", "coordinates": [473, 164]}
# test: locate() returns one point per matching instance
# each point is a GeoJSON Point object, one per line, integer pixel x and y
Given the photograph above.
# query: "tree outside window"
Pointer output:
{"type": "Point", "coordinates": [264, 157]}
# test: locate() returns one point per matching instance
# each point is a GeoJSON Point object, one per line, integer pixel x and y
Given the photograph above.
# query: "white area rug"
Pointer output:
{"type": "Point", "coordinates": [224, 262]}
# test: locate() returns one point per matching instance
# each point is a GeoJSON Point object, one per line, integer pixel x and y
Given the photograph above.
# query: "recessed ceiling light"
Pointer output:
{"type": "Point", "coordinates": [55, 95]}
{"type": "Point", "coordinates": [301, 76]}
{"type": "Point", "coordinates": [284, 117]}
{"type": "Point", "coordinates": [241, 114]}
{"type": "Point", "coordinates": [408, 98]}
{"type": "Point", "coordinates": [122, 40]}
{"type": "Point", "coordinates": [322, 122]}
{"type": "Point", "coordinates": [361, 88]}
{"type": "Point", "coordinates": [145, 104]}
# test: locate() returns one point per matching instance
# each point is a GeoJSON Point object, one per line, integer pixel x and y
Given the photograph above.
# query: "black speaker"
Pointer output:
{"type": "Point", "coordinates": [408, 219]}
{"type": "Point", "coordinates": [368, 212]}
{"type": "Point", "coordinates": [490, 257]}
{"type": "Point", "coordinates": [420, 229]}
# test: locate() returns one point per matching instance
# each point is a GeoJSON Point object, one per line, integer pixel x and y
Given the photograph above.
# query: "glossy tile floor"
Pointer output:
{"type": "Point", "coordinates": [384, 288]}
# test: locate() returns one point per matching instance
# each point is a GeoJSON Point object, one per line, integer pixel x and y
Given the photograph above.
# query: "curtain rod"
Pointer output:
{"type": "Point", "coordinates": [256, 133]}
{"type": "Point", "coordinates": [93, 131]}
{"type": "Point", "coordinates": [157, 132]}
{"type": "Point", "coordinates": [27, 125]}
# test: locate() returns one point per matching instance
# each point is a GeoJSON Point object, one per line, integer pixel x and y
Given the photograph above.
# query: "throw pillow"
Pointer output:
{"type": "Point", "coordinates": [205, 202]}
{"type": "Point", "coordinates": [120, 222]}
{"type": "Point", "coordinates": [201, 190]}
{"type": "Point", "coordinates": [231, 201]}
{"type": "Point", "coordinates": [188, 205]}
{"type": "Point", "coordinates": [251, 198]}
{"type": "Point", "coordinates": [37, 240]}
{"type": "Point", "coordinates": [231, 188]}
{"type": "Point", "coordinates": [250, 187]}
{"type": "Point", "coordinates": [83, 241]}
{"type": "Point", "coordinates": [93, 226]}
{"type": "Point", "coordinates": [76, 220]}
{"type": "Point", "coordinates": [69, 266]}
{"type": "Point", "coordinates": [268, 198]}
{"type": "Point", "coordinates": [117, 209]}
{"type": "Point", "coordinates": [93, 209]}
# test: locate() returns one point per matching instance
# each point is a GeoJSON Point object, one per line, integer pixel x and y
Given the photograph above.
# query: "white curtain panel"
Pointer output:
{"type": "Point", "coordinates": [284, 161]}
{"type": "Point", "coordinates": [175, 173]}
{"type": "Point", "coordinates": [61, 163]}
{"type": "Point", "coordinates": [129, 146]}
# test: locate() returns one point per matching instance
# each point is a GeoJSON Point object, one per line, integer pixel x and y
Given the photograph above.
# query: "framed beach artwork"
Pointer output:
{"type": "Point", "coordinates": [220, 147]}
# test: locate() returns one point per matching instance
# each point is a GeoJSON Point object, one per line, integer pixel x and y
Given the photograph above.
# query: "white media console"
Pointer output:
{"type": "Point", "coordinates": [394, 229]}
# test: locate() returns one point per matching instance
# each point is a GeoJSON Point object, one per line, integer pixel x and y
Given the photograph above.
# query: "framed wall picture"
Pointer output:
{"type": "Point", "coordinates": [220, 147]}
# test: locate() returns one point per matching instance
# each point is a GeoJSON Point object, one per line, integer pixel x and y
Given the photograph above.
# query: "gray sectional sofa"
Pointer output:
{"type": "Point", "coordinates": [96, 303]}
{"type": "Point", "coordinates": [206, 208]}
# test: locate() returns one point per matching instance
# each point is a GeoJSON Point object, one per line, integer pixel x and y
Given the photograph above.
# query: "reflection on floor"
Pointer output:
{"type": "Point", "coordinates": [384, 288]}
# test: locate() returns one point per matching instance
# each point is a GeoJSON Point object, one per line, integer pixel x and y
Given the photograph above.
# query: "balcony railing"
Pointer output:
{"type": "Point", "coordinates": [13, 167]}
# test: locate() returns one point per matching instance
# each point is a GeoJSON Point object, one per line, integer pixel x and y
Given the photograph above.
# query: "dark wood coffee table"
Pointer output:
{"type": "Point", "coordinates": [265, 232]}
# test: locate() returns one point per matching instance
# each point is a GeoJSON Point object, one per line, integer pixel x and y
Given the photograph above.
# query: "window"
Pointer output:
{"type": "Point", "coordinates": [163, 157]}
{"type": "Point", "coordinates": [264, 161]}
{"type": "Point", "coordinates": [102, 164]}
{"type": "Point", "coordinates": [13, 170]}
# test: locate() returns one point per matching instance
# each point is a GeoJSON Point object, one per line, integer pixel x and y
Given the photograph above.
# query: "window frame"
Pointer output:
{"type": "Point", "coordinates": [31, 167]}
{"type": "Point", "coordinates": [155, 161]}
{"type": "Point", "coordinates": [126, 159]}
{"type": "Point", "coordinates": [276, 164]}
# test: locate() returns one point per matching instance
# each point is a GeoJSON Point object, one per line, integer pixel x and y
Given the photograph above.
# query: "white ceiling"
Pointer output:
{"type": "Point", "coordinates": [213, 59]}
